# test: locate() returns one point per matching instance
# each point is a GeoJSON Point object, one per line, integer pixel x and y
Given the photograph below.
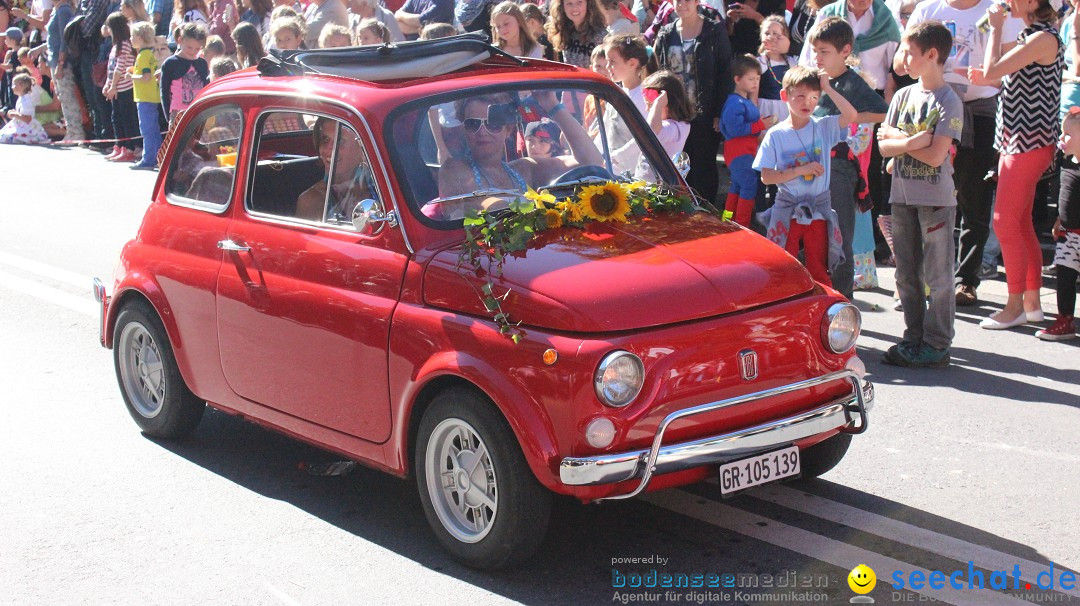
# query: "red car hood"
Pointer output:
{"type": "Point", "coordinates": [613, 277]}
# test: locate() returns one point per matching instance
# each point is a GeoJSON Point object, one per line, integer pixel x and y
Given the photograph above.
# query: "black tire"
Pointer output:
{"type": "Point", "coordinates": [823, 456]}
{"type": "Point", "coordinates": [522, 505]}
{"type": "Point", "coordinates": [158, 400]}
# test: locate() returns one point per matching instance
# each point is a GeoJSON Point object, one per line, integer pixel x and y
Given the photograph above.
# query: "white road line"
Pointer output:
{"type": "Point", "coordinates": [48, 271]}
{"type": "Point", "coordinates": [818, 547]}
{"type": "Point", "coordinates": [904, 533]}
{"type": "Point", "coordinates": [1060, 456]}
{"type": "Point", "coordinates": [83, 305]}
{"type": "Point", "coordinates": [279, 594]}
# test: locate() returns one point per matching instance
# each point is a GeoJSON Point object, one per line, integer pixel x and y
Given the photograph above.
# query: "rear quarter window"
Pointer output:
{"type": "Point", "coordinates": [202, 171]}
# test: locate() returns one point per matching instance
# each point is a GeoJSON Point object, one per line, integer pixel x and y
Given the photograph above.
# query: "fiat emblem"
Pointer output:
{"type": "Point", "coordinates": [748, 364]}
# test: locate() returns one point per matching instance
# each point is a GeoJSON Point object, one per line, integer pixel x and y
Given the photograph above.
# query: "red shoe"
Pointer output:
{"type": "Point", "coordinates": [1062, 330]}
{"type": "Point", "coordinates": [126, 155]}
{"type": "Point", "coordinates": [115, 153]}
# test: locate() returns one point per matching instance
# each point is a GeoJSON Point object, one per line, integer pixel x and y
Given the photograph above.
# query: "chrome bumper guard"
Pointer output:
{"type": "Point", "coordinates": [102, 298]}
{"type": "Point", "coordinates": [847, 413]}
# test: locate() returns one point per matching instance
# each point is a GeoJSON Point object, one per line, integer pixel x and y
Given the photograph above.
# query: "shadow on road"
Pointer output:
{"type": "Point", "coordinates": [575, 564]}
{"type": "Point", "coordinates": [968, 373]}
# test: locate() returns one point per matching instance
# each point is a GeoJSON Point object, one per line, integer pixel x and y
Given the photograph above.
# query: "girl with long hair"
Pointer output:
{"type": "Point", "coordinates": [118, 89]}
{"type": "Point", "coordinates": [575, 28]}
{"type": "Point", "coordinates": [775, 60]}
{"type": "Point", "coordinates": [510, 32]}
{"type": "Point", "coordinates": [134, 11]}
{"type": "Point", "coordinates": [630, 62]}
{"type": "Point", "coordinates": [249, 47]}
{"type": "Point", "coordinates": [670, 113]}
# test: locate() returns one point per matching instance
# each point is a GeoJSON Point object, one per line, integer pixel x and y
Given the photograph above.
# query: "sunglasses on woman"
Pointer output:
{"type": "Point", "coordinates": [473, 125]}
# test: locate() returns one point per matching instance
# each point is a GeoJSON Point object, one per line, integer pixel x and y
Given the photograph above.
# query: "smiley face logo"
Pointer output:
{"type": "Point", "coordinates": [862, 579]}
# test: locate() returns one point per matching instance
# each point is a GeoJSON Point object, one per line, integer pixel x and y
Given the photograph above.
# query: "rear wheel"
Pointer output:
{"type": "Point", "coordinates": [154, 392]}
{"type": "Point", "coordinates": [479, 495]}
{"type": "Point", "coordinates": [823, 456]}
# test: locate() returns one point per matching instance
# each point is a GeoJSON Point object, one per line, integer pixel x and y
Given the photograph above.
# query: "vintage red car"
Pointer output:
{"type": "Point", "coordinates": [298, 265]}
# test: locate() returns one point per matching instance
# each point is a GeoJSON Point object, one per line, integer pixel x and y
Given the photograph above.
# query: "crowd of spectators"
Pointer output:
{"type": "Point", "coordinates": [111, 74]}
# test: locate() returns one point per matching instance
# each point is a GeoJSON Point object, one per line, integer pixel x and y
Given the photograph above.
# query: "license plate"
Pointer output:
{"type": "Point", "coordinates": [746, 473]}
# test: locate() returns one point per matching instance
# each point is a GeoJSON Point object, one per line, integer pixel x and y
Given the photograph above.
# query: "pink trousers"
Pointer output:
{"type": "Point", "coordinates": [1017, 176]}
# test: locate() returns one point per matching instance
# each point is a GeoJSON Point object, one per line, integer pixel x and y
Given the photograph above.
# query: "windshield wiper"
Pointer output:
{"type": "Point", "coordinates": [590, 180]}
{"type": "Point", "coordinates": [478, 193]}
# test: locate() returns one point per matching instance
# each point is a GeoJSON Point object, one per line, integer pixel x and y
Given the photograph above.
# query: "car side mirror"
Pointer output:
{"type": "Point", "coordinates": [368, 213]}
{"type": "Point", "coordinates": [682, 163]}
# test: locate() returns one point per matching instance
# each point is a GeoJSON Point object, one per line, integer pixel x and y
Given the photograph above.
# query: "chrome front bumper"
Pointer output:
{"type": "Point", "coordinates": [847, 413]}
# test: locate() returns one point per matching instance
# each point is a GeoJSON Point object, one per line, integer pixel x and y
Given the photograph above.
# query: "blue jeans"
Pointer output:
{"type": "Point", "coordinates": [150, 131]}
{"type": "Point", "coordinates": [98, 107]}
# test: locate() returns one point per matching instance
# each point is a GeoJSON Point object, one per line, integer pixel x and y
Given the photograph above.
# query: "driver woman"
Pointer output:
{"type": "Point", "coordinates": [351, 181]}
{"type": "Point", "coordinates": [484, 165]}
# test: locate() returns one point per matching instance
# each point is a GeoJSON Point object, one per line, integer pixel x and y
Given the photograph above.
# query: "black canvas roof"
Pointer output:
{"type": "Point", "coordinates": [419, 59]}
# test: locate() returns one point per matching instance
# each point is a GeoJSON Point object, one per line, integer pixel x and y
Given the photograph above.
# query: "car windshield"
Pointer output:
{"type": "Point", "coordinates": [481, 148]}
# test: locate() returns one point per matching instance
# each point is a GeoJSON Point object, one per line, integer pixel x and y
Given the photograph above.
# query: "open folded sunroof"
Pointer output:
{"type": "Point", "coordinates": [419, 59]}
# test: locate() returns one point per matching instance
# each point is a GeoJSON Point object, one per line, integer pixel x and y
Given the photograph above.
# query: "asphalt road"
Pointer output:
{"type": "Point", "coordinates": [977, 463]}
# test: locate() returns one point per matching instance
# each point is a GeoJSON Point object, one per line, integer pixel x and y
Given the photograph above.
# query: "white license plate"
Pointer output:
{"type": "Point", "coordinates": [761, 469]}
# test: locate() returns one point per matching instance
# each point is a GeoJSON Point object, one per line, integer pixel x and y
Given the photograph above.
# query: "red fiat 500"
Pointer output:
{"type": "Point", "coordinates": [300, 265]}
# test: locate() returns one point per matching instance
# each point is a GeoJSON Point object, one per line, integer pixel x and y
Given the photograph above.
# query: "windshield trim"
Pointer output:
{"type": "Point", "coordinates": [637, 124]}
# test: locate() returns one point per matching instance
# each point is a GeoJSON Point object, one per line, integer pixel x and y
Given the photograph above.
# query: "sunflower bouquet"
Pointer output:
{"type": "Point", "coordinates": [492, 235]}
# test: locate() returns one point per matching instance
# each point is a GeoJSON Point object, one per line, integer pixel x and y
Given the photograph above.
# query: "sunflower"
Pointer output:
{"type": "Point", "coordinates": [539, 198]}
{"type": "Point", "coordinates": [607, 202]}
{"type": "Point", "coordinates": [571, 211]}
{"type": "Point", "coordinates": [553, 218]}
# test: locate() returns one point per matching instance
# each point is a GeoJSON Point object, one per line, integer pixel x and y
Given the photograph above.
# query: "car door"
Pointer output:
{"type": "Point", "coordinates": [305, 300]}
{"type": "Point", "coordinates": [180, 238]}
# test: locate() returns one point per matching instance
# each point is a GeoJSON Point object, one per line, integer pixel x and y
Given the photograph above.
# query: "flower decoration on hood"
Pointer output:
{"type": "Point", "coordinates": [492, 235]}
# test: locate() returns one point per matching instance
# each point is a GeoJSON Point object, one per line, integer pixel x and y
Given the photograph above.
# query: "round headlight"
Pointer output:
{"type": "Point", "coordinates": [619, 378]}
{"type": "Point", "coordinates": [840, 327]}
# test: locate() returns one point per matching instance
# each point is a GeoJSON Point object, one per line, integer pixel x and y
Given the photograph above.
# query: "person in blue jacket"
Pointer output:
{"type": "Point", "coordinates": [740, 123]}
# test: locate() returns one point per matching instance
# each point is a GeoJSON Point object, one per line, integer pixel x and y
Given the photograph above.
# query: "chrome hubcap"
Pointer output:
{"type": "Point", "coordinates": [142, 370]}
{"type": "Point", "coordinates": [461, 480]}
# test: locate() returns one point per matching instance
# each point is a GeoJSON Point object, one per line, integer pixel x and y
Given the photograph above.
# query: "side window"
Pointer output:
{"type": "Point", "coordinates": [309, 167]}
{"type": "Point", "coordinates": [203, 168]}
{"type": "Point", "coordinates": [617, 140]}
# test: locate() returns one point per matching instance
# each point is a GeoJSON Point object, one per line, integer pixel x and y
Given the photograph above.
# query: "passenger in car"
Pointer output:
{"type": "Point", "coordinates": [350, 177]}
{"type": "Point", "coordinates": [484, 165]}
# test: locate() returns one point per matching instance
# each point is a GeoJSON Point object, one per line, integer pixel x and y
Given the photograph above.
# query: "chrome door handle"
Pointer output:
{"type": "Point", "coordinates": [233, 246]}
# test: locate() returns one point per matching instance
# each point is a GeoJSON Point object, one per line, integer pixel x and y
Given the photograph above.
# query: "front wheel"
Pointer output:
{"type": "Point", "coordinates": [823, 456]}
{"type": "Point", "coordinates": [479, 495]}
{"type": "Point", "coordinates": [154, 392]}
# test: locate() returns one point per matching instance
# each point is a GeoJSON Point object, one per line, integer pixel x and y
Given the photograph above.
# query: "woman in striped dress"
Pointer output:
{"type": "Point", "coordinates": [1027, 133]}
